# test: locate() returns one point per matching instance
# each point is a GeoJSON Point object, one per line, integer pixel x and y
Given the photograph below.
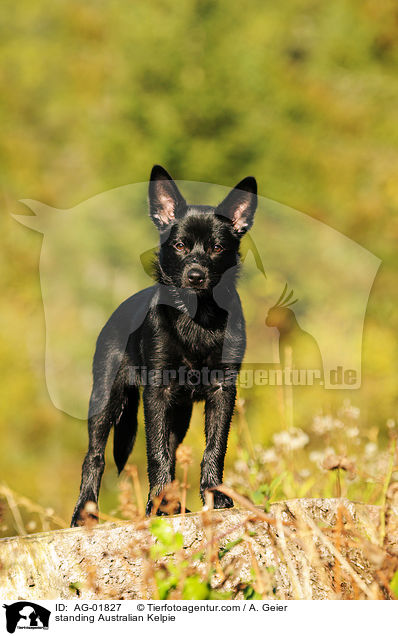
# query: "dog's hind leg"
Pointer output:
{"type": "Point", "coordinates": [106, 409]}
{"type": "Point", "coordinates": [99, 426]}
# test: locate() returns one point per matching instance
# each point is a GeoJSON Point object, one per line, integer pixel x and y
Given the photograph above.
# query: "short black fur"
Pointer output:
{"type": "Point", "coordinates": [191, 319]}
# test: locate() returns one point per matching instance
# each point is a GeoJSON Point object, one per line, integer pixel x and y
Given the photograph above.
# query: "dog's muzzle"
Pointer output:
{"type": "Point", "coordinates": [195, 277]}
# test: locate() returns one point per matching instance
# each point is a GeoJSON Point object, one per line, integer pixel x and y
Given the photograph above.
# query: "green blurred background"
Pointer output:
{"type": "Point", "coordinates": [302, 94]}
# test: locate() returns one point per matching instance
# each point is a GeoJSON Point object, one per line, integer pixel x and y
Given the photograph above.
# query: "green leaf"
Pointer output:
{"type": "Point", "coordinates": [178, 541]}
{"type": "Point", "coordinates": [75, 587]}
{"type": "Point", "coordinates": [162, 530]}
{"type": "Point", "coordinates": [216, 595]}
{"type": "Point", "coordinates": [276, 482]}
{"type": "Point", "coordinates": [165, 583]}
{"type": "Point", "coordinates": [223, 551]}
{"type": "Point", "coordinates": [250, 593]}
{"type": "Point", "coordinates": [198, 556]}
{"type": "Point", "coordinates": [195, 589]}
{"type": "Point", "coordinates": [259, 495]}
{"type": "Point", "coordinates": [169, 541]}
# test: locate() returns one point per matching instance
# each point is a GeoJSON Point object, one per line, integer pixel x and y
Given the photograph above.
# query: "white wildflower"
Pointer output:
{"type": "Point", "coordinates": [240, 466]}
{"type": "Point", "coordinates": [370, 449]}
{"type": "Point", "coordinates": [322, 424]}
{"type": "Point", "coordinates": [292, 439]}
{"type": "Point", "coordinates": [318, 456]}
{"type": "Point", "coordinates": [350, 411]}
{"type": "Point", "coordinates": [325, 423]}
{"type": "Point", "coordinates": [269, 455]}
{"type": "Point", "coordinates": [338, 423]}
{"type": "Point", "coordinates": [352, 431]}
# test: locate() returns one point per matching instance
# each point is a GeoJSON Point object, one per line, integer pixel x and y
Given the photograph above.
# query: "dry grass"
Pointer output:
{"type": "Point", "coordinates": [299, 556]}
{"type": "Point", "coordinates": [283, 554]}
{"type": "Point", "coordinates": [343, 557]}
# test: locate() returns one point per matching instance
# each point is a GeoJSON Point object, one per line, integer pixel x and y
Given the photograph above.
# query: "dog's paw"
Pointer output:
{"type": "Point", "coordinates": [159, 512]}
{"type": "Point", "coordinates": [76, 520]}
{"type": "Point", "coordinates": [222, 501]}
{"type": "Point", "coordinates": [219, 499]}
{"type": "Point", "coordinates": [164, 509]}
{"type": "Point", "coordinates": [85, 515]}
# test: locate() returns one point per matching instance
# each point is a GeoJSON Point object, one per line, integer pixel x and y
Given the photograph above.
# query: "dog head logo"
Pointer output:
{"type": "Point", "coordinates": [26, 615]}
{"type": "Point", "coordinates": [100, 252]}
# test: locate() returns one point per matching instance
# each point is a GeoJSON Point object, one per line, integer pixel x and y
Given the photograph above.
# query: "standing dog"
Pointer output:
{"type": "Point", "coordinates": [188, 326]}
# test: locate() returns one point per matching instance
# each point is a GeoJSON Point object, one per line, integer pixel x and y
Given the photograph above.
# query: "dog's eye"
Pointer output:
{"type": "Point", "coordinates": [218, 248]}
{"type": "Point", "coordinates": [179, 246]}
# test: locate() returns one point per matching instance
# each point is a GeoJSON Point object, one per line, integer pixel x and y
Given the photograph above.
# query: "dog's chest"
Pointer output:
{"type": "Point", "coordinates": [198, 344]}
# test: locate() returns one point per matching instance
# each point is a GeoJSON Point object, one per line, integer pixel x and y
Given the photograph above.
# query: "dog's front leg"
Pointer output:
{"type": "Point", "coordinates": [219, 408]}
{"type": "Point", "coordinates": [156, 404]}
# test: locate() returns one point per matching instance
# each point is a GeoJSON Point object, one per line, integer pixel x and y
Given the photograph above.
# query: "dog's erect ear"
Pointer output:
{"type": "Point", "coordinates": [240, 205]}
{"type": "Point", "coordinates": [166, 202]}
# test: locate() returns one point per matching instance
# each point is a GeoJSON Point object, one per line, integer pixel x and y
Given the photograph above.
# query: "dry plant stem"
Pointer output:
{"type": "Point", "coordinates": [156, 501]}
{"type": "Point", "coordinates": [307, 544]}
{"type": "Point", "coordinates": [127, 507]}
{"type": "Point", "coordinates": [306, 577]}
{"type": "Point", "coordinates": [30, 505]}
{"type": "Point", "coordinates": [234, 528]}
{"type": "Point", "coordinates": [338, 483]}
{"type": "Point", "coordinates": [277, 558]}
{"type": "Point", "coordinates": [246, 503]}
{"type": "Point", "coordinates": [44, 523]}
{"type": "Point", "coordinates": [16, 515]}
{"type": "Point", "coordinates": [337, 555]}
{"type": "Point", "coordinates": [339, 534]}
{"type": "Point", "coordinates": [355, 591]}
{"type": "Point", "coordinates": [137, 551]}
{"type": "Point", "coordinates": [261, 587]}
{"type": "Point", "coordinates": [393, 446]}
{"type": "Point", "coordinates": [240, 409]}
{"type": "Point", "coordinates": [279, 387]}
{"type": "Point", "coordinates": [219, 569]}
{"type": "Point", "coordinates": [207, 522]}
{"type": "Point", "coordinates": [103, 516]}
{"type": "Point", "coordinates": [144, 584]}
{"type": "Point", "coordinates": [149, 578]}
{"type": "Point", "coordinates": [288, 390]}
{"type": "Point", "coordinates": [184, 495]}
{"type": "Point", "coordinates": [138, 491]}
{"type": "Point", "coordinates": [302, 554]}
{"type": "Point", "coordinates": [149, 569]}
{"type": "Point", "coordinates": [297, 589]}
{"type": "Point", "coordinates": [92, 574]}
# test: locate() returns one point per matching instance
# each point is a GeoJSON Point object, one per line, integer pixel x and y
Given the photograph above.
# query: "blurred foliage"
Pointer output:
{"type": "Point", "coordinates": [302, 95]}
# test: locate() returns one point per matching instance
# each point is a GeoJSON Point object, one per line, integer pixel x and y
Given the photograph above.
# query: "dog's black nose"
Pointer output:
{"type": "Point", "coordinates": [196, 276]}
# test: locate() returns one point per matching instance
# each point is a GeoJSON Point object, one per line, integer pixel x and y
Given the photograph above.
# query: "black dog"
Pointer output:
{"type": "Point", "coordinates": [187, 331]}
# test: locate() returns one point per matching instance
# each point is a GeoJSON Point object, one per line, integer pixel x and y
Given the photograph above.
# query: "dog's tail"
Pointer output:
{"type": "Point", "coordinates": [125, 428]}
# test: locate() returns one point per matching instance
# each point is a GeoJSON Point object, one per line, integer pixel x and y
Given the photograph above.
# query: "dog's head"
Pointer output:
{"type": "Point", "coordinates": [198, 243]}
